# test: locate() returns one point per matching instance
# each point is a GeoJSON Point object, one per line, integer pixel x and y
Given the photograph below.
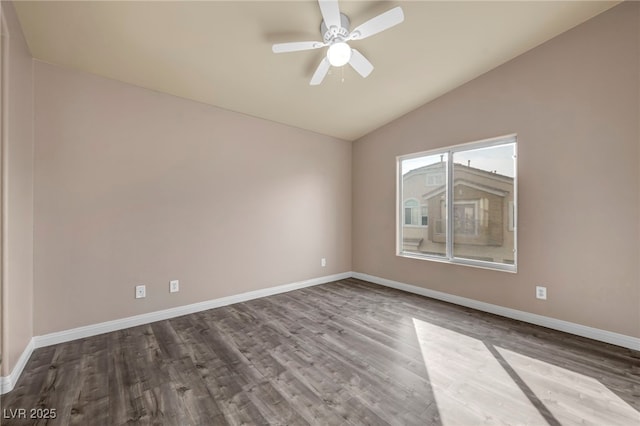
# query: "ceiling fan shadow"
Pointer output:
{"type": "Point", "coordinates": [287, 36]}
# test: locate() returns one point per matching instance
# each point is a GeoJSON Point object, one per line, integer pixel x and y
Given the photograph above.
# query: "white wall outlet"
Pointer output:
{"type": "Point", "coordinates": [174, 286]}
{"type": "Point", "coordinates": [541, 292]}
{"type": "Point", "coordinates": [323, 262]}
{"type": "Point", "coordinates": [141, 291]}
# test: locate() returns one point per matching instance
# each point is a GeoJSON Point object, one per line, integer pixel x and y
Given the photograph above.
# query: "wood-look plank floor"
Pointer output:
{"type": "Point", "coordinates": [348, 352]}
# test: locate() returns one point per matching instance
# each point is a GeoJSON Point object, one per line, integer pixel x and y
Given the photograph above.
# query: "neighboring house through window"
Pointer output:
{"type": "Point", "coordinates": [459, 204]}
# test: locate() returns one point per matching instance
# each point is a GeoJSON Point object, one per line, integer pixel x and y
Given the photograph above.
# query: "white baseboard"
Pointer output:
{"type": "Point", "coordinates": [119, 324]}
{"type": "Point", "coordinates": [8, 382]}
{"type": "Point", "coordinates": [555, 324]}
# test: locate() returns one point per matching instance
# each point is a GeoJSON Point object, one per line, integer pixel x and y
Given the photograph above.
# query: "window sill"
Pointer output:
{"type": "Point", "coordinates": [502, 267]}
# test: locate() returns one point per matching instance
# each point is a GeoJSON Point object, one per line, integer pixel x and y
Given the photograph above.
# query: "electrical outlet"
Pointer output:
{"type": "Point", "coordinates": [141, 292]}
{"type": "Point", "coordinates": [541, 292]}
{"type": "Point", "coordinates": [174, 286]}
{"type": "Point", "coordinates": [323, 262]}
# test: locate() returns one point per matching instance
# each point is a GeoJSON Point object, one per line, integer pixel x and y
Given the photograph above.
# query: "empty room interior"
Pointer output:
{"type": "Point", "coordinates": [320, 212]}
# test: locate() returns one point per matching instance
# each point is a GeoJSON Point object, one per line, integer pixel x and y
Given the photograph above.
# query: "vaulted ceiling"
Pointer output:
{"type": "Point", "coordinates": [219, 52]}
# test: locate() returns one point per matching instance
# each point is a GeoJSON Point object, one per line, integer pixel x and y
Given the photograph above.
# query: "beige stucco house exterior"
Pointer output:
{"type": "Point", "coordinates": [483, 213]}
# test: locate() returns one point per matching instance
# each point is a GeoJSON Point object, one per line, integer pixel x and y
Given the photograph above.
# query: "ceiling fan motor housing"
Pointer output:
{"type": "Point", "coordinates": [329, 35]}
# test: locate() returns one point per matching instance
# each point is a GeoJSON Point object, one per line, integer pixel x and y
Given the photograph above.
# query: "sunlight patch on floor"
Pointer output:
{"type": "Point", "coordinates": [571, 397]}
{"type": "Point", "coordinates": [469, 384]}
{"type": "Point", "coordinates": [478, 383]}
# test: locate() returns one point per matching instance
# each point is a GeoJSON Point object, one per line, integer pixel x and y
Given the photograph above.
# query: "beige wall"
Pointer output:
{"type": "Point", "coordinates": [17, 315]}
{"type": "Point", "coordinates": [138, 187]}
{"type": "Point", "coordinates": [574, 104]}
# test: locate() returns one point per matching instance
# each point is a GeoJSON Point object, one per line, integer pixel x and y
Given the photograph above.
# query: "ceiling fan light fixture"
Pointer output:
{"type": "Point", "coordinates": [334, 29]}
{"type": "Point", "coordinates": [339, 54]}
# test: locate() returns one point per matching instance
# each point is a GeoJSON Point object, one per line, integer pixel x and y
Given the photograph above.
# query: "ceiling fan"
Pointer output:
{"type": "Point", "coordinates": [335, 34]}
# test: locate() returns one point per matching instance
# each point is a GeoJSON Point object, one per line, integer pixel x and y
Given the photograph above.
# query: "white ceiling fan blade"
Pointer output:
{"type": "Point", "coordinates": [330, 12]}
{"type": "Point", "coordinates": [321, 72]}
{"type": "Point", "coordinates": [380, 23]}
{"type": "Point", "coordinates": [359, 63]}
{"type": "Point", "coordinates": [296, 46]}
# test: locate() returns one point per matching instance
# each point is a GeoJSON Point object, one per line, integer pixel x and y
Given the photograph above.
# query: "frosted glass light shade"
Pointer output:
{"type": "Point", "coordinates": [339, 54]}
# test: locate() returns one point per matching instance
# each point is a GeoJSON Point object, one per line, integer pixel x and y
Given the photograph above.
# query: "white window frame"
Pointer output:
{"type": "Point", "coordinates": [449, 256]}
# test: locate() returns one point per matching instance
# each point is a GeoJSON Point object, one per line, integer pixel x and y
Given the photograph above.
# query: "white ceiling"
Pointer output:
{"type": "Point", "coordinates": [219, 52]}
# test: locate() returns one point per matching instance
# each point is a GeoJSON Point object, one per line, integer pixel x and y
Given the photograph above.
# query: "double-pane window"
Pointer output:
{"type": "Point", "coordinates": [464, 200]}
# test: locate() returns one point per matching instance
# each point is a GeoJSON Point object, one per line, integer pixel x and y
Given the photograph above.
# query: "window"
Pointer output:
{"type": "Point", "coordinates": [464, 217]}
{"type": "Point", "coordinates": [411, 212]}
{"type": "Point", "coordinates": [435, 179]}
{"type": "Point", "coordinates": [464, 198]}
